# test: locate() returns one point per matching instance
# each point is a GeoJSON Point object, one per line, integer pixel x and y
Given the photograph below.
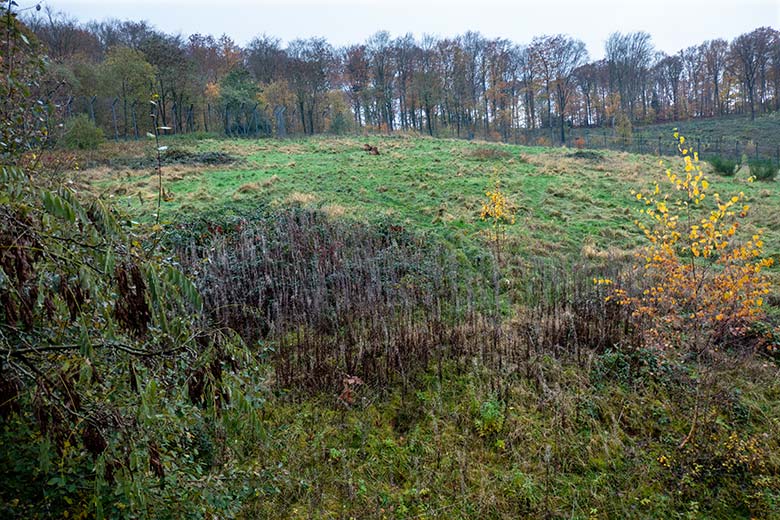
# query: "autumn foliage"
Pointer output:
{"type": "Point", "coordinates": [497, 210]}
{"type": "Point", "coordinates": [700, 280]}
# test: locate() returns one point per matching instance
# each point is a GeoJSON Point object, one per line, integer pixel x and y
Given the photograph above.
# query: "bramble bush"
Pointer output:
{"type": "Point", "coordinates": [700, 280]}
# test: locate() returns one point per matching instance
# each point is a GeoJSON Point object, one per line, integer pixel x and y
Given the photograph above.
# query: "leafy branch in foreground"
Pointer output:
{"type": "Point", "coordinates": [112, 385]}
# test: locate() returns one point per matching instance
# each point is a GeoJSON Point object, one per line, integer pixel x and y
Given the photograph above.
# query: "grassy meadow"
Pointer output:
{"type": "Point", "coordinates": [524, 396]}
{"type": "Point", "coordinates": [565, 200]}
{"type": "Point", "coordinates": [377, 360]}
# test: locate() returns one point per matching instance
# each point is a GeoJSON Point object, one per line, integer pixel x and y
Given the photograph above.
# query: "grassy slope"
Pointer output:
{"type": "Point", "coordinates": [764, 131]}
{"type": "Point", "coordinates": [432, 185]}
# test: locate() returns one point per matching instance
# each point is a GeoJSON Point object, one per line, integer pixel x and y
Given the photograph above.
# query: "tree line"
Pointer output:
{"type": "Point", "coordinates": [464, 86]}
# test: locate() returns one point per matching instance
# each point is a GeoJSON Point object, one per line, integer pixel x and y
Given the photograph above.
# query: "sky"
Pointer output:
{"type": "Point", "coordinates": [673, 25]}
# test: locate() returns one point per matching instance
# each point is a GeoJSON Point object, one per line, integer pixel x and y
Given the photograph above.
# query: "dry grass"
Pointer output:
{"type": "Point", "coordinates": [302, 199]}
{"type": "Point", "coordinates": [334, 211]}
{"type": "Point", "coordinates": [250, 187]}
{"type": "Point", "coordinates": [270, 181]}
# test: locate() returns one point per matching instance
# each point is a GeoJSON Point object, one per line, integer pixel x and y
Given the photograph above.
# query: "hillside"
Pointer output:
{"type": "Point", "coordinates": [568, 202]}
{"type": "Point", "coordinates": [389, 373]}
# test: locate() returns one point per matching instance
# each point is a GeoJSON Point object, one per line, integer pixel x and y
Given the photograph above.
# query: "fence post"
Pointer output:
{"type": "Point", "coordinates": [175, 117]}
{"type": "Point", "coordinates": [659, 146]}
{"type": "Point", "coordinates": [113, 117]}
{"type": "Point", "coordinates": [135, 119]}
{"type": "Point", "coordinates": [92, 108]}
{"type": "Point", "coordinates": [605, 139]}
{"type": "Point", "coordinates": [640, 144]}
{"type": "Point", "coordinates": [190, 119]}
{"type": "Point", "coordinates": [698, 147]}
{"type": "Point", "coordinates": [777, 155]}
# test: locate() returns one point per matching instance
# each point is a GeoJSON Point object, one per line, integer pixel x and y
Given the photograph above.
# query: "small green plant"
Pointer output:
{"type": "Point", "coordinates": [82, 134]}
{"type": "Point", "coordinates": [763, 169]}
{"type": "Point", "coordinates": [490, 418]}
{"type": "Point", "coordinates": [724, 167]}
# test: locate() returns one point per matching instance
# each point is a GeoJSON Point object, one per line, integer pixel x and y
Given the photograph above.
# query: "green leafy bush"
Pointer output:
{"type": "Point", "coordinates": [763, 169]}
{"type": "Point", "coordinates": [81, 134]}
{"type": "Point", "coordinates": [490, 418]}
{"type": "Point", "coordinates": [725, 167]}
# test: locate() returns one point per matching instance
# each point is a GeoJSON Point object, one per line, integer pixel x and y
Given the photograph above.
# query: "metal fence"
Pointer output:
{"type": "Point", "coordinates": [132, 121]}
{"type": "Point", "coordinates": [725, 148]}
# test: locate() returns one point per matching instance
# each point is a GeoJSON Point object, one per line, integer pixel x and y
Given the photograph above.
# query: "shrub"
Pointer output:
{"type": "Point", "coordinates": [82, 134]}
{"type": "Point", "coordinates": [490, 418]}
{"type": "Point", "coordinates": [699, 281]}
{"type": "Point", "coordinates": [623, 128]}
{"type": "Point", "coordinates": [763, 169]}
{"type": "Point", "coordinates": [498, 211]}
{"type": "Point", "coordinates": [725, 167]}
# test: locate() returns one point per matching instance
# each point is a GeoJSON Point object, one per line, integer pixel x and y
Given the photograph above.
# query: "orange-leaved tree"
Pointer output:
{"type": "Point", "coordinates": [699, 279]}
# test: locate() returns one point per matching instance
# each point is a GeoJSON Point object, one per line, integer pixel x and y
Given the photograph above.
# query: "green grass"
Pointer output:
{"type": "Point", "coordinates": [590, 446]}
{"type": "Point", "coordinates": [436, 186]}
{"type": "Point", "coordinates": [764, 131]}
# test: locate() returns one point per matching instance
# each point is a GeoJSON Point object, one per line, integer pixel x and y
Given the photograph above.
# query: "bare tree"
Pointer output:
{"type": "Point", "coordinates": [557, 58]}
{"type": "Point", "coordinates": [749, 54]}
{"type": "Point", "coordinates": [715, 55]}
{"type": "Point", "coordinates": [568, 55]}
{"type": "Point", "coordinates": [671, 70]}
{"type": "Point", "coordinates": [311, 69]}
{"type": "Point", "coordinates": [380, 58]}
{"type": "Point", "coordinates": [629, 57]}
{"type": "Point", "coordinates": [265, 58]}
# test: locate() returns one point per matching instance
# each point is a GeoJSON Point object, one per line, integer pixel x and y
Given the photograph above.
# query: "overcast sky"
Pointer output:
{"type": "Point", "coordinates": [673, 25]}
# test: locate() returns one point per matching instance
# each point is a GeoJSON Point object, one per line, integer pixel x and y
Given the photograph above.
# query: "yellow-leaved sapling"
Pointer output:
{"type": "Point", "coordinates": [499, 213]}
{"type": "Point", "coordinates": [699, 280]}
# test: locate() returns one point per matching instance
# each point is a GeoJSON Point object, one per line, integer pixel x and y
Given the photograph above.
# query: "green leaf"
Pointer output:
{"type": "Point", "coordinates": [58, 207]}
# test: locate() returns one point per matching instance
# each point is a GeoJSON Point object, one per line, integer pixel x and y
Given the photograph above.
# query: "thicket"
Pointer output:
{"type": "Point", "coordinates": [326, 299]}
{"type": "Point", "coordinates": [116, 397]}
